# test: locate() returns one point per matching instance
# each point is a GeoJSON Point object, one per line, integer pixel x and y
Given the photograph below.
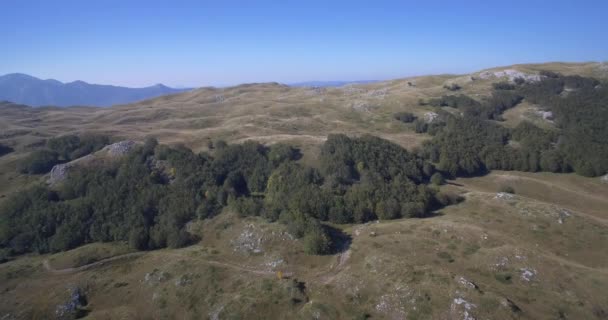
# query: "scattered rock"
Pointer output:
{"type": "Point", "coordinates": [502, 263]}
{"type": "Point", "coordinates": [274, 263]}
{"type": "Point", "coordinates": [59, 173]}
{"type": "Point", "coordinates": [511, 74]}
{"type": "Point", "coordinates": [74, 306]}
{"type": "Point", "coordinates": [467, 284]}
{"type": "Point", "coordinates": [527, 274]}
{"type": "Point", "coordinates": [219, 98]}
{"type": "Point", "coordinates": [430, 116]}
{"type": "Point", "coordinates": [379, 93]}
{"type": "Point", "coordinates": [546, 115]}
{"type": "Point", "coordinates": [604, 179]}
{"type": "Point", "coordinates": [504, 196]}
{"type": "Point", "coordinates": [249, 241]}
{"type": "Point", "coordinates": [393, 305]}
{"type": "Point", "coordinates": [184, 280]}
{"type": "Point", "coordinates": [562, 214]}
{"type": "Point", "coordinates": [120, 148]}
{"type": "Point", "coordinates": [155, 277]}
{"type": "Point", "coordinates": [466, 308]}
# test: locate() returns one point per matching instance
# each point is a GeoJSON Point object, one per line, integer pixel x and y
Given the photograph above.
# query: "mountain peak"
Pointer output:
{"type": "Point", "coordinates": [25, 89]}
{"type": "Point", "coordinates": [18, 76]}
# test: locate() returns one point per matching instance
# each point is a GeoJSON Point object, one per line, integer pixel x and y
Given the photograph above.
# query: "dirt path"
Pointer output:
{"type": "Point", "coordinates": [47, 266]}
{"type": "Point", "coordinates": [330, 276]}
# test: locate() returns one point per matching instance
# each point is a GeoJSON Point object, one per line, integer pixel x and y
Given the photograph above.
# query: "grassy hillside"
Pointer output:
{"type": "Point", "coordinates": [502, 257]}
{"type": "Point", "coordinates": [536, 253]}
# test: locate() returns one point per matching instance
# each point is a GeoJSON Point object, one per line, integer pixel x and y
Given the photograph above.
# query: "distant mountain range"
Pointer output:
{"type": "Point", "coordinates": [25, 89]}
{"type": "Point", "coordinates": [329, 83]}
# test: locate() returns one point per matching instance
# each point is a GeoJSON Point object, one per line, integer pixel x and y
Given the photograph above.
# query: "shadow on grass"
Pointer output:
{"type": "Point", "coordinates": [340, 241]}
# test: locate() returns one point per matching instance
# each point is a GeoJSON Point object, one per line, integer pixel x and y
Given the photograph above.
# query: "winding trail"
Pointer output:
{"type": "Point", "coordinates": [47, 266]}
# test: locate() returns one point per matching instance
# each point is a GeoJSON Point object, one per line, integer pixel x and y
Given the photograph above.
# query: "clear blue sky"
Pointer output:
{"type": "Point", "coordinates": [196, 43]}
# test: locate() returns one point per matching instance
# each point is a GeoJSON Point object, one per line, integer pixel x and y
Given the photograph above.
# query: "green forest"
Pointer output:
{"type": "Point", "coordinates": [476, 142]}
{"type": "Point", "coordinates": [148, 197]}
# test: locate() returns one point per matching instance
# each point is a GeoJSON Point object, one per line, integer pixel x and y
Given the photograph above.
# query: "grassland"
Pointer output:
{"type": "Point", "coordinates": [537, 254]}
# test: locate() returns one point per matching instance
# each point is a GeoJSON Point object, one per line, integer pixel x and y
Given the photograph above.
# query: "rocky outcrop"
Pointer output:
{"type": "Point", "coordinates": [120, 148]}
{"type": "Point", "coordinates": [61, 171]}
{"type": "Point", "coordinates": [74, 306]}
{"type": "Point", "coordinates": [512, 74]}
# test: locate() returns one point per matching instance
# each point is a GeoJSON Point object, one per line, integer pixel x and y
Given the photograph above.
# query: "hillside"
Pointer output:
{"type": "Point", "coordinates": [25, 89]}
{"type": "Point", "coordinates": [439, 197]}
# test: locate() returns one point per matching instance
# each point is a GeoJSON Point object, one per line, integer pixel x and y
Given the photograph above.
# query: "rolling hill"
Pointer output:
{"type": "Point", "coordinates": [520, 245]}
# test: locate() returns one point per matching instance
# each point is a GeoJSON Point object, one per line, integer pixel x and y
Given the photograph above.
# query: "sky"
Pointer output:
{"type": "Point", "coordinates": [223, 42]}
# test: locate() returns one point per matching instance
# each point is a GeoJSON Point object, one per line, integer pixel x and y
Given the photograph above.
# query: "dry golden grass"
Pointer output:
{"type": "Point", "coordinates": [408, 268]}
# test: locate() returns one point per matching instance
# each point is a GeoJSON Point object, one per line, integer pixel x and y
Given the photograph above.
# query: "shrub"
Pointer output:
{"type": "Point", "coordinates": [504, 85]}
{"type": "Point", "coordinates": [519, 81]}
{"type": "Point", "coordinates": [316, 240]}
{"type": "Point", "coordinates": [281, 152]}
{"type": "Point", "coordinates": [505, 278]}
{"type": "Point", "coordinates": [437, 179]}
{"type": "Point", "coordinates": [549, 74]}
{"type": "Point", "coordinates": [447, 198]}
{"type": "Point", "coordinates": [38, 162]}
{"type": "Point", "coordinates": [406, 117]}
{"type": "Point", "coordinates": [247, 206]}
{"type": "Point", "coordinates": [420, 126]}
{"type": "Point", "coordinates": [452, 87]}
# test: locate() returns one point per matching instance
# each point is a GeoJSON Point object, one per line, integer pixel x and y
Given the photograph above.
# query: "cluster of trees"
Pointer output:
{"type": "Point", "coordinates": [490, 108]}
{"type": "Point", "coordinates": [147, 197]}
{"type": "Point", "coordinates": [132, 200]}
{"type": "Point", "coordinates": [70, 147]}
{"type": "Point", "coordinates": [61, 149]}
{"type": "Point", "coordinates": [472, 144]}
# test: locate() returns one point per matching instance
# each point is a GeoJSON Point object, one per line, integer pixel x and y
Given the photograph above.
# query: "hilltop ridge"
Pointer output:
{"type": "Point", "coordinates": [26, 89]}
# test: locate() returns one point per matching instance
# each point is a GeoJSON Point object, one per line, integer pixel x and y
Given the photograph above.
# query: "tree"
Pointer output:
{"type": "Point", "coordinates": [388, 209]}
{"type": "Point", "coordinates": [437, 179]}
{"type": "Point", "coordinates": [316, 240]}
{"type": "Point", "coordinates": [38, 162]}
{"type": "Point", "coordinates": [280, 152]}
